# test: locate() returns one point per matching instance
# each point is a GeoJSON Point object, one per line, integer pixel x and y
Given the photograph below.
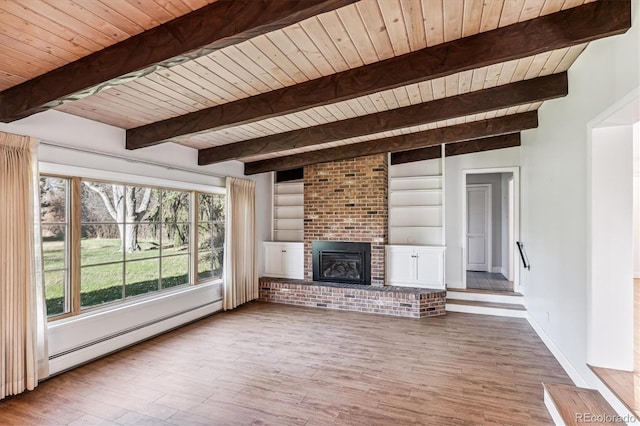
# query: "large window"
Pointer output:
{"type": "Point", "coordinates": [116, 241]}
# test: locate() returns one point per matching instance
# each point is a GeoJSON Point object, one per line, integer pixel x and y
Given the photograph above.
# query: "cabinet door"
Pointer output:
{"type": "Point", "coordinates": [400, 266]}
{"type": "Point", "coordinates": [293, 262]}
{"type": "Point", "coordinates": [273, 260]}
{"type": "Point", "coordinates": [430, 267]}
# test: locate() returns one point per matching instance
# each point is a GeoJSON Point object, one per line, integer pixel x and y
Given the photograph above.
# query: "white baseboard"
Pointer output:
{"type": "Point", "coordinates": [496, 269]}
{"type": "Point", "coordinates": [577, 378]}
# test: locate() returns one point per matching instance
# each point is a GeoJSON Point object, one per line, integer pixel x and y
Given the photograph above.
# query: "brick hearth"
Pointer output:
{"type": "Point", "coordinates": [387, 300]}
{"type": "Point", "coordinates": [347, 201]}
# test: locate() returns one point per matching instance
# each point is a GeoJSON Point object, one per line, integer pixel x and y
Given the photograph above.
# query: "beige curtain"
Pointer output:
{"type": "Point", "coordinates": [241, 273]}
{"type": "Point", "coordinates": [23, 345]}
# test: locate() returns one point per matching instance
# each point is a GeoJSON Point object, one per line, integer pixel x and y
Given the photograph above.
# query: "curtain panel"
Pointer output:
{"type": "Point", "coordinates": [241, 269]}
{"type": "Point", "coordinates": [23, 343]}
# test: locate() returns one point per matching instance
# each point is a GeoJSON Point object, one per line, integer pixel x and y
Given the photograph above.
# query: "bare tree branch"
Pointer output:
{"type": "Point", "coordinates": [105, 198]}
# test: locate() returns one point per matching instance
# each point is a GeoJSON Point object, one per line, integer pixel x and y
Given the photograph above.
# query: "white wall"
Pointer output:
{"type": "Point", "coordinates": [79, 339]}
{"type": "Point", "coordinates": [454, 194]}
{"type": "Point", "coordinates": [554, 160]}
{"type": "Point", "coordinates": [636, 200]}
{"type": "Point", "coordinates": [610, 312]}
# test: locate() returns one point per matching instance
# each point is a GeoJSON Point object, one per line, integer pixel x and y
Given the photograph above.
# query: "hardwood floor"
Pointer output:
{"type": "Point", "coordinates": [488, 281]}
{"type": "Point", "coordinates": [275, 364]}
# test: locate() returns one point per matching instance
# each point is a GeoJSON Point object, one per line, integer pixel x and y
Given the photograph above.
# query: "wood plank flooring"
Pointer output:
{"type": "Point", "coordinates": [574, 403]}
{"type": "Point", "coordinates": [275, 364]}
{"type": "Point", "coordinates": [623, 384]}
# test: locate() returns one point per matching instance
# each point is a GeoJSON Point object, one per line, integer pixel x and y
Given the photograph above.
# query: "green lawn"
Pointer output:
{"type": "Point", "coordinates": [104, 283]}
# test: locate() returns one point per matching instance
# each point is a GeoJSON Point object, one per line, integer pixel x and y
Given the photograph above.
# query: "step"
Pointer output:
{"type": "Point", "coordinates": [512, 310]}
{"type": "Point", "coordinates": [570, 405]}
{"type": "Point", "coordinates": [486, 296]}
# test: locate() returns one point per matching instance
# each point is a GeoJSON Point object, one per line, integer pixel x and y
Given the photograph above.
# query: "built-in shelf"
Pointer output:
{"type": "Point", "coordinates": [416, 203]}
{"type": "Point", "coordinates": [288, 211]}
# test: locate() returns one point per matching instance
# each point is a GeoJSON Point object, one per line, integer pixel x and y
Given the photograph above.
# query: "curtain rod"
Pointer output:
{"type": "Point", "coordinates": [129, 160]}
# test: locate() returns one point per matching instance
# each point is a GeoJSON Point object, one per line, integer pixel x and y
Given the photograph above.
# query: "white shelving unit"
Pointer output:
{"type": "Point", "coordinates": [416, 251]}
{"type": "Point", "coordinates": [416, 203]}
{"type": "Point", "coordinates": [288, 211]}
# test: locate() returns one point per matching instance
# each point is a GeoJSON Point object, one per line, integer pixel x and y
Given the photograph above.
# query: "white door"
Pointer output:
{"type": "Point", "coordinates": [478, 227]}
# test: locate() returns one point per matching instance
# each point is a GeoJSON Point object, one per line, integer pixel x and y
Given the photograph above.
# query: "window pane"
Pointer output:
{"type": "Point", "coordinates": [100, 244]}
{"type": "Point", "coordinates": [175, 270]}
{"type": "Point", "coordinates": [142, 276]}
{"type": "Point", "coordinates": [141, 204]}
{"type": "Point", "coordinates": [54, 290]}
{"type": "Point", "coordinates": [142, 240]}
{"type": "Point", "coordinates": [210, 264]}
{"type": "Point", "coordinates": [101, 284]}
{"type": "Point", "coordinates": [205, 269]}
{"type": "Point", "coordinates": [102, 202]}
{"type": "Point", "coordinates": [205, 207]}
{"type": "Point", "coordinates": [175, 239]}
{"type": "Point", "coordinates": [175, 206]}
{"type": "Point", "coordinates": [204, 236]}
{"type": "Point", "coordinates": [210, 235]}
{"type": "Point", "coordinates": [217, 230]}
{"type": "Point", "coordinates": [218, 262]}
{"type": "Point", "coordinates": [53, 246]}
{"type": "Point", "coordinates": [53, 200]}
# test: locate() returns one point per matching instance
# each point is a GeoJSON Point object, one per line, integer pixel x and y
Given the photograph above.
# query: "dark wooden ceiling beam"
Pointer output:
{"type": "Point", "coordinates": [428, 138]}
{"type": "Point", "coordinates": [212, 27]}
{"type": "Point", "coordinates": [467, 147]}
{"type": "Point", "coordinates": [559, 30]}
{"type": "Point", "coordinates": [499, 142]}
{"type": "Point", "coordinates": [513, 94]}
{"type": "Point", "coordinates": [420, 154]}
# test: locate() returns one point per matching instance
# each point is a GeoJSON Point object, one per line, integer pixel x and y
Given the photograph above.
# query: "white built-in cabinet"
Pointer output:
{"type": "Point", "coordinates": [284, 259]}
{"type": "Point", "coordinates": [288, 211]}
{"type": "Point", "coordinates": [416, 250]}
{"type": "Point", "coordinates": [415, 266]}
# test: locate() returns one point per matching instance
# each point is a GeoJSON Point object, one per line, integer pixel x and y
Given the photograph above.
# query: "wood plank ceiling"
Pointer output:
{"type": "Point", "coordinates": [282, 55]}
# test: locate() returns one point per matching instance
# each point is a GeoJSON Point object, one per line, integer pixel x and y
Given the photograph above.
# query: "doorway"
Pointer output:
{"type": "Point", "coordinates": [490, 209]}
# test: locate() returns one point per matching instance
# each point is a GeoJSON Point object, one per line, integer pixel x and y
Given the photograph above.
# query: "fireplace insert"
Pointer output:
{"type": "Point", "coordinates": [342, 262]}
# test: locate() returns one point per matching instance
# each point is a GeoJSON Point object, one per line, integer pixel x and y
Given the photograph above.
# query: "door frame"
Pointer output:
{"type": "Point", "coordinates": [489, 223]}
{"type": "Point", "coordinates": [515, 170]}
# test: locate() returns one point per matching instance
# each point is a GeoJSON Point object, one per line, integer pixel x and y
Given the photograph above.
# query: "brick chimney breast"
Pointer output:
{"type": "Point", "coordinates": [347, 201]}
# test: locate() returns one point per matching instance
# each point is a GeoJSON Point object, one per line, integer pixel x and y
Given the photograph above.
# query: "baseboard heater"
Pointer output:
{"type": "Point", "coordinates": [135, 328]}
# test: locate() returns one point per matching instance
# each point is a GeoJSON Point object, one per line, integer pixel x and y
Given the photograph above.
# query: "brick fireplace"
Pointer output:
{"type": "Point", "coordinates": [347, 201]}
